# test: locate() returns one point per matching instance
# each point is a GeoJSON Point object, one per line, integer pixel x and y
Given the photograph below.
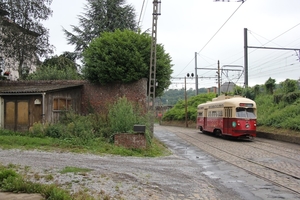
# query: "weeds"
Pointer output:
{"type": "Point", "coordinates": [74, 170]}
{"type": "Point", "coordinates": [10, 181]}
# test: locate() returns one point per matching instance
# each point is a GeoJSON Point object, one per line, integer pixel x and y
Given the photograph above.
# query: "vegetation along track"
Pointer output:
{"type": "Point", "coordinates": [279, 165]}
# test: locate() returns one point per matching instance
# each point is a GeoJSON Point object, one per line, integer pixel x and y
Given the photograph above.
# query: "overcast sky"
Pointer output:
{"type": "Point", "coordinates": [215, 30]}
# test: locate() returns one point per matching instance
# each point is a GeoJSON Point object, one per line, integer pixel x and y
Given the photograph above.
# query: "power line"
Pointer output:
{"type": "Point", "coordinates": [215, 33]}
{"type": "Point", "coordinates": [141, 13]}
{"type": "Point", "coordinates": [221, 26]}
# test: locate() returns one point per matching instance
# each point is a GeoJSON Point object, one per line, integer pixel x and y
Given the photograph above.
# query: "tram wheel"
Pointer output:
{"type": "Point", "coordinates": [201, 128]}
{"type": "Point", "coordinates": [218, 133]}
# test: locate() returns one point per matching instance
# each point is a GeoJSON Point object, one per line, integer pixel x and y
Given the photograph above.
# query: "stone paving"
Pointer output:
{"type": "Point", "coordinates": [279, 165]}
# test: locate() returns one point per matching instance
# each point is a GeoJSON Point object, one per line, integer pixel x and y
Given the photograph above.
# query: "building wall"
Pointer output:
{"type": "Point", "coordinates": [74, 94]}
{"type": "Point", "coordinates": [93, 97]}
{"type": "Point", "coordinates": [98, 97]}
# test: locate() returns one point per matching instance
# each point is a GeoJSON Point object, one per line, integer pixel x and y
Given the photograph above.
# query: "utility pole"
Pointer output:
{"type": "Point", "coordinates": [219, 82]}
{"type": "Point", "coordinates": [246, 57]}
{"type": "Point", "coordinates": [152, 76]}
{"type": "Point", "coordinates": [246, 53]}
{"type": "Point", "coordinates": [185, 100]}
{"type": "Point", "coordinates": [196, 81]}
{"type": "Point", "coordinates": [217, 71]}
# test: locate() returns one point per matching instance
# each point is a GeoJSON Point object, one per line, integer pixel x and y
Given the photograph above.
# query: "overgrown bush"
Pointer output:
{"type": "Point", "coordinates": [123, 116]}
{"type": "Point", "coordinates": [55, 73]}
{"type": "Point", "coordinates": [279, 113]}
{"type": "Point", "coordinates": [78, 129]}
{"type": "Point", "coordinates": [178, 111]}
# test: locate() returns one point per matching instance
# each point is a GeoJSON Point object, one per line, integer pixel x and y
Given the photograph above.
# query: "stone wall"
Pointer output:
{"type": "Point", "coordinates": [130, 140]}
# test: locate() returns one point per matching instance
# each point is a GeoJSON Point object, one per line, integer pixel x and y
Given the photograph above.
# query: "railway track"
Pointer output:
{"type": "Point", "coordinates": [278, 165]}
{"type": "Point", "coordinates": [280, 151]}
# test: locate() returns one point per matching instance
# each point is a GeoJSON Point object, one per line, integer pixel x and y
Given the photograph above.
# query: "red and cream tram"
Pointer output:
{"type": "Point", "coordinates": [228, 116]}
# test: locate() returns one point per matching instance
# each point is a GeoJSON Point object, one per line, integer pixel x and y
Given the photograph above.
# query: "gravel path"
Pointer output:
{"type": "Point", "coordinates": [116, 177]}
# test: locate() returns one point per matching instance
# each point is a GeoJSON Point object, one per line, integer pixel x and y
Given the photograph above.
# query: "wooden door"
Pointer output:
{"type": "Point", "coordinates": [10, 115]}
{"type": "Point", "coordinates": [16, 115]}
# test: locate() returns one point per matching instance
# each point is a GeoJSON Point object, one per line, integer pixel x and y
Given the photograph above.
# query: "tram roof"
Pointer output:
{"type": "Point", "coordinates": [225, 101]}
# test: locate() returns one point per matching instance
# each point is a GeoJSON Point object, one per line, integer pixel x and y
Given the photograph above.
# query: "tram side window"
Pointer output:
{"type": "Point", "coordinates": [200, 114]}
{"type": "Point", "coordinates": [228, 112]}
{"type": "Point", "coordinates": [214, 113]}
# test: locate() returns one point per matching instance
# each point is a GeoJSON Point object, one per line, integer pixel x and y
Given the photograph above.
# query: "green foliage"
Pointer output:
{"type": "Point", "coordinates": [287, 92]}
{"type": "Point", "coordinates": [286, 98]}
{"type": "Point", "coordinates": [122, 116]}
{"type": "Point", "coordinates": [83, 130]}
{"type": "Point", "coordinates": [54, 73]}
{"type": "Point", "coordinates": [246, 92]}
{"type": "Point", "coordinates": [6, 173]}
{"type": "Point", "coordinates": [28, 39]}
{"type": "Point", "coordinates": [270, 85]}
{"type": "Point", "coordinates": [171, 96]}
{"type": "Point", "coordinates": [10, 181]}
{"type": "Point", "coordinates": [178, 111]}
{"type": "Point", "coordinates": [7, 132]}
{"type": "Point", "coordinates": [69, 169]}
{"type": "Point", "coordinates": [124, 56]}
{"type": "Point", "coordinates": [278, 113]}
{"type": "Point", "coordinates": [100, 16]}
{"type": "Point", "coordinates": [61, 62]}
{"type": "Point", "coordinates": [38, 130]}
{"type": "Point", "coordinates": [289, 86]}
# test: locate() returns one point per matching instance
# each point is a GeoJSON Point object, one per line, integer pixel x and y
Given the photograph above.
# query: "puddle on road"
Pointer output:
{"type": "Point", "coordinates": [210, 175]}
{"type": "Point", "coordinates": [234, 181]}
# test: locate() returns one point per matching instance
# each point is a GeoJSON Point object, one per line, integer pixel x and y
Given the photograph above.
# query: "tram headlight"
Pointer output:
{"type": "Point", "coordinates": [233, 124]}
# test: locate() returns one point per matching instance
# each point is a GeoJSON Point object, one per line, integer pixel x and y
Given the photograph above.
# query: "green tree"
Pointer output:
{"type": "Point", "coordinates": [238, 90]}
{"type": "Point", "coordinates": [256, 90]}
{"type": "Point", "coordinates": [289, 86]}
{"type": "Point", "coordinates": [270, 85]}
{"type": "Point", "coordinates": [123, 56]}
{"type": "Point", "coordinates": [54, 73]}
{"type": "Point", "coordinates": [25, 37]}
{"type": "Point", "coordinates": [61, 67]}
{"type": "Point", "coordinates": [178, 111]}
{"type": "Point", "coordinates": [100, 16]}
{"type": "Point", "coordinates": [61, 61]}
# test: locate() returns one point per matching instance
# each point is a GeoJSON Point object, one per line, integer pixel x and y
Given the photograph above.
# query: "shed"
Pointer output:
{"type": "Point", "coordinates": [24, 105]}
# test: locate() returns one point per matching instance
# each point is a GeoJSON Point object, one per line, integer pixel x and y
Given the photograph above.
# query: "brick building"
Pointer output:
{"type": "Point", "coordinates": [25, 102]}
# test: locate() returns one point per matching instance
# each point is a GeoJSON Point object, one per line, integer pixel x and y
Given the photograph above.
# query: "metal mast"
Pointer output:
{"type": "Point", "coordinates": [152, 76]}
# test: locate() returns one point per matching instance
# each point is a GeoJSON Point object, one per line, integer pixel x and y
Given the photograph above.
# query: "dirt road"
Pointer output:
{"type": "Point", "coordinates": [171, 177]}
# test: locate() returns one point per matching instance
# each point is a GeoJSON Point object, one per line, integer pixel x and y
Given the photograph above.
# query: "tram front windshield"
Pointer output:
{"type": "Point", "coordinates": [245, 113]}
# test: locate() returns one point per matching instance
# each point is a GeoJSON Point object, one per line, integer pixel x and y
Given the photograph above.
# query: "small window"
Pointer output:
{"type": "Point", "coordinates": [228, 112]}
{"type": "Point", "coordinates": [60, 104]}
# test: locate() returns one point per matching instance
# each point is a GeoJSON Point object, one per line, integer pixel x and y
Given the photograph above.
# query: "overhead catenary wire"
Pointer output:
{"type": "Point", "coordinates": [214, 35]}
{"type": "Point", "coordinates": [141, 13]}
{"type": "Point", "coordinates": [272, 56]}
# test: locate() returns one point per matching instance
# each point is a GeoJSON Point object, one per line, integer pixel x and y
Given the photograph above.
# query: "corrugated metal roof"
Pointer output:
{"type": "Point", "coordinates": [34, 88]}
